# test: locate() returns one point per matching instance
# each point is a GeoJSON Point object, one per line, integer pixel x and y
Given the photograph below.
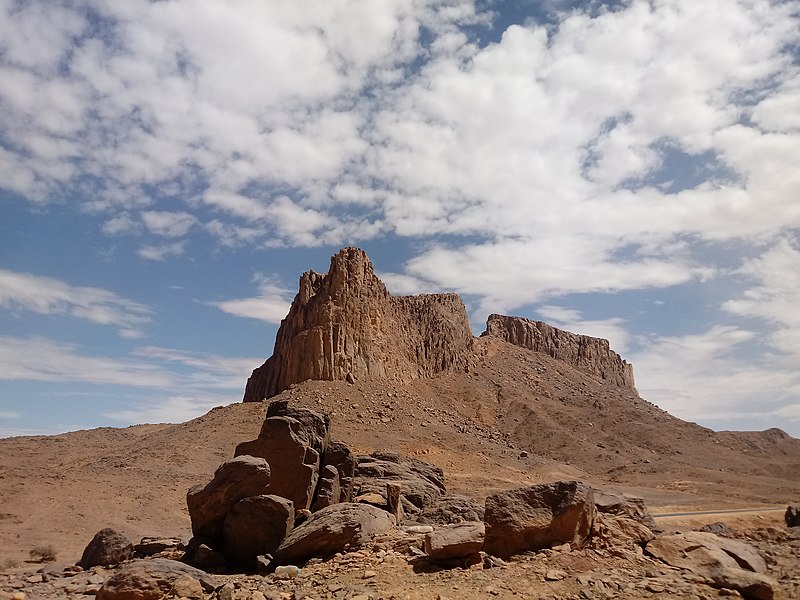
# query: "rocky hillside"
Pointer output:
{"type": "Point", "coordinates": [592, 355]}
{"type": "Point", "coordinates": [344, 325]}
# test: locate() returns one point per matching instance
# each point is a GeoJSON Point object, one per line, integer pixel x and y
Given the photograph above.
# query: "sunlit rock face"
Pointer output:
{"type": "Point", "coordinates": [344, 325]}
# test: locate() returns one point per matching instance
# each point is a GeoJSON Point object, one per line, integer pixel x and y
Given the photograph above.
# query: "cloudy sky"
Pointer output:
{"type": "Point", "coordinates": [629, 170]}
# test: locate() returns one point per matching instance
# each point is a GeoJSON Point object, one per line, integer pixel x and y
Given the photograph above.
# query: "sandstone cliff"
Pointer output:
{"type": "Point", "coordinates": [589, 354]}
{"type": "Point", "coordinates": [346, 324]}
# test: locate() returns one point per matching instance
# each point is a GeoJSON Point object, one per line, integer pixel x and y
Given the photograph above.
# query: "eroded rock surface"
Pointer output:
{"type": "Point", "coordinates": [589, 354]}
{"type": "Point", "coordinates": [108, 547]}
{"type": "Point", "coordinates": [539, 516]}
{"type": "Point", "coordinates": [235, 479]}
{"type": "Point", "coordinates": [344, 325]}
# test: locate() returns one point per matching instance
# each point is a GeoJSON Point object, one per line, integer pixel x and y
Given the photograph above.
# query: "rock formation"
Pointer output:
{"type": "Point", "coordinates": [345, 325]}
{"type": "Point", "coordinates": [592, 355]}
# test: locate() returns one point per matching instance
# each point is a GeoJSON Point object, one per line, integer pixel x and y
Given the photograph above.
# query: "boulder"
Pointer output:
{"type": "Point", "coordinates": [622, 505]}
{"type": "Point", "coordinates": [333, 529]}
{"type": "Point", "coordinates": [153, 579]}
{"type": "Point", "coordinates": [702, 552]}
{"type": "Point", "coordinates": [339, 455]}
{"type": "Point", "coordinates": [328, 490]}
{"type": "Point", "coordinates": [537, 517]}
{"type": "Point", "coordinates": [255, 526]}
{"type": "Point", "coordinates": [792, 516]}
{"type": "Point", "coordinates": [455, 541]}
{"type": "Point", "coordinates": [107, 548]}
{"type": "Point", "coordinates": [288, 444]}
{"type": "Point", "coordinates": [314, 427]}
{"type": "Point", "coordinates": [613, 531]}
{"type": "Point", "coordinates": [238, 478]}
{"type": "Point", "coordinates": [150, 545]}
{"type": "Point", "coordinates": [752, 586]}
{"type": "Point", "coordinates": [421, 482]}
{"type": "Point", "coordinates": [451, 509]}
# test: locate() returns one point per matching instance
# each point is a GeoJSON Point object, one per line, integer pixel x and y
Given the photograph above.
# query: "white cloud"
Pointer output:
{"type": "Point", "coordinates": [9, 414]}
{"type": "Point", "coordinates": [121, 224]}
{"type": "Point", "coordinates": [202, 370]}
{"type": "Point", "coordinates": [173, 409]}
{"type": "Point", "coordinates": [162, 251]}
{"type": "Point", "coordinates": [168, 224]}
{"type": "Point", "coordinates": [48, 296]}
{"type": "Point", "coordinates": [710, 377]}
{"type": "Point", "coordinates": [42, 359]}
{"type": "Point", "coordinates": [613, 329]}
{"type": "Point", "coordinates": [271, 304]}
{"type": "Point", "coordinates": [776, 297]}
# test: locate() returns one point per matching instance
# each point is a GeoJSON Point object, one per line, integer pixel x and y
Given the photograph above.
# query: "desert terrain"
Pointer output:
{"type": "Point", "coordinates": [509, 417]}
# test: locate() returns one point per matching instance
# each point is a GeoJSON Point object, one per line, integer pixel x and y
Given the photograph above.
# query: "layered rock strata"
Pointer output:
{"type": "Point", "coordinates": [589, 354]}
{"type": "Point", "coordinates": [344, 325]}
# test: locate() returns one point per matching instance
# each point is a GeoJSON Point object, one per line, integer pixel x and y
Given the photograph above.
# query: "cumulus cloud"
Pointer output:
{"type": "Point", "coordinates": [271, 304]}
{"type": "Point", "coordinates": [710, 376]}
{"type": "Point", "coordinates": [48, 296]}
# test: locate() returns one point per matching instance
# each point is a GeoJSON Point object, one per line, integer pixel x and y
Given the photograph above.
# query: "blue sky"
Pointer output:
{"type": "Point", "coordinates": [167, 170]}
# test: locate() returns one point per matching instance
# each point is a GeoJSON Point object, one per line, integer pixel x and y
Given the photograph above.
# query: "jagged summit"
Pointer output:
{"type": "Point", "coordinates": [345, 325]}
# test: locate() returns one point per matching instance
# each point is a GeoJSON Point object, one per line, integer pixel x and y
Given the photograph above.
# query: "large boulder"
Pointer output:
{"type": "Point", "coordinates": [702, 552]}
{"type": "Point", "coordinates": [622, 505]}
{"type": "Point", "coordinates": [455, 541]}
{"type": "Point", "coordinates": [421, 482]}
{"type": "Point", "coordinates": [333, 529]}
{"type": "Point", "coordinates": [293, 442]}
{"type": "Point", "coordinates": [107, 548]}
{"type": "Point", "coordinates": [612, 531]}
{"type": "Point", "coordinates": [752, 586]}
{"type": "Point", "coordinates": [153, 579]}
{"type": "Point", "coordinates": [450, 509]}
{"type": "Point", "coordinates": [235, 479]}
{"type": "Point", "coordinates": [537, 517]}
{"type": "Point", "coordinates": [256, 526]}
{"type": "Point", "coordinates": [792, 516]}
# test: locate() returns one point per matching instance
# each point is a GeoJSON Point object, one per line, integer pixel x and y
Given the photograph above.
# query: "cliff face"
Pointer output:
{"type": "Point", "coordinates": [346, 324]}
{"type": "Point", "coordinates": [592, 355]}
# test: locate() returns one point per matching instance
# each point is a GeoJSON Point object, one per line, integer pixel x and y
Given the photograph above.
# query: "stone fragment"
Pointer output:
{"type": "Point", "coordinates": [792, 516]}
{"type": "Point", "coordinates": [333, 529]}
{"type": "Point", "coordinates": [536, 517]}
{"type": "Point", "coordinates": [615, 531]}
{"type": "Point", "coordinates": [339, 455]}
{"type": "Point", "coordinates": [238, 478]}
{"type": "Point", "coordinates": [107, 547]}
{"type": "Point", "coordinates": [394, 502]}
{"type": "Point", "coordinates": [328, 490]}
{"type": "Point", "coordinates": [701, 552]}
{"type": "Point", "coordinates": [153, 545]}
{"type": "Point", "coordinates": [455, 541]}
{"type": "Point", "coordinates": [752, 586]}
{"type": "Point", "coordinates": [422, 482]}
{"type": "Point", "coordinates": [151, 579]}
{"type": "Point", "coordinates": [623, 505]}
{"type": "Point", "coordinates": [255, 526]}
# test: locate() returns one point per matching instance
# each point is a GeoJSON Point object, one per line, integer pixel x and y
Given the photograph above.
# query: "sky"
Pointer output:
{"type": "Point", "coordinates": [627, 170]}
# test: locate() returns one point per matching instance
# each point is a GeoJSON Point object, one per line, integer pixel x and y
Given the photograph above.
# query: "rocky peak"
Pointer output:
{"type": "Point", "coordinates": [589, 354]}
{"type": "Point", "coordinates": [344, 324]}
